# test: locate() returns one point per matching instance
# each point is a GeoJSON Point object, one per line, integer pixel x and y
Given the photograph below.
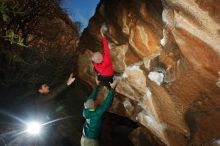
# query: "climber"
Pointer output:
{"type": "Point", "coordinates": [38, 103]}
{"type": "Point", "coordinates": [102, 62]}
{"type": "Point", "coordinates": [94, 114]}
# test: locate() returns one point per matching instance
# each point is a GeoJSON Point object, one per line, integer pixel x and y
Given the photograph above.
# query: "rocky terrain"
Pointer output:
{"type": "Point", "coordinates": [167, 54]}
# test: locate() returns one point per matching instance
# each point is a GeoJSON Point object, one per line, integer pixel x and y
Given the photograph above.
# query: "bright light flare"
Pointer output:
{"type": "Point", "coordinates": [34, 128]}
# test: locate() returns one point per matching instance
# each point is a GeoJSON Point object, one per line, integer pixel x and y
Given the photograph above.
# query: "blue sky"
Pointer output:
{"type": "Point", "coordinates": [80, 10]}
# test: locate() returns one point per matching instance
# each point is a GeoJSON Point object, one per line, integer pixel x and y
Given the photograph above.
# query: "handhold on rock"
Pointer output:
{"type": "Point", "coordinates": [157, 77]}
{"type": "Point", "coordinates": [104, 28]}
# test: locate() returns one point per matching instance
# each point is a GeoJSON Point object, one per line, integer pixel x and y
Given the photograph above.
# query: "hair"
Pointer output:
{"type": "Point", "coordinates": [39, 85]}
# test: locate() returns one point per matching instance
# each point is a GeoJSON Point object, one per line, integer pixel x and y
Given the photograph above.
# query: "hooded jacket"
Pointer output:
{"type": "Point", "coordinates": [93, 123]}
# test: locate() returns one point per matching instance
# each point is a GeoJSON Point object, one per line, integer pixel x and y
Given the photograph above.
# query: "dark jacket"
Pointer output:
{"type": "Point", "coordinates": [92, 126]}
{"type": "Point", "coordinates": [38, 105]}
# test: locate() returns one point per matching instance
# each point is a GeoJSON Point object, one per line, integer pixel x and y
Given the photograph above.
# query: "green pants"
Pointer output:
{"type": "Point", "coordinates": [89, 142]}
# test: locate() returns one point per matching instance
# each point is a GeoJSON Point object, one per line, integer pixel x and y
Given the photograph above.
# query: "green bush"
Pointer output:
{"type": "Point", "coordinates": [14, 38]}
{"type": "Point", "coordinates": [7, 12]}
{"type": "Point", "coordinates": [4, 10]}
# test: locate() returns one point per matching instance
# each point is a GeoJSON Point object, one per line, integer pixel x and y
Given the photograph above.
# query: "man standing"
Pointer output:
{"type": "Point", "coordinates": [39, 104]}
{"type": "Point", "coordinates": [94, 115]}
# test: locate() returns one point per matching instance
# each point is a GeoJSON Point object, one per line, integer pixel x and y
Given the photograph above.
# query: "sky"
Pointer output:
{"type": "Point", "coordinates": [80, 10]}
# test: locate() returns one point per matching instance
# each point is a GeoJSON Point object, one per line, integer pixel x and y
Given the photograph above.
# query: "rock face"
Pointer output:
{"type": "Point", "coordinates": [168, 56]}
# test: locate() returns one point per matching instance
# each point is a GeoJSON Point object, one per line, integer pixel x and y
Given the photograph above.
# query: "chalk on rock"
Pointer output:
{"type": "Point", "coordinates": [164, 40]}
{"type": "Point", "coordinates": [217, 142]}
{"type": "Point", "coordinates": [157, 77]}
{"type": "Point", "coordinates": [127, 104]}
{"type": "Point", "coordinates": [218, 83]}
{"type": "Point", "coordinates": [110, 45]}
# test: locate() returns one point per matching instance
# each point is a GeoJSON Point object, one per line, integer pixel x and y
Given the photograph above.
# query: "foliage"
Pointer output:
{"type": "Point", "coordinates": [4, 10]}
{"type": "Point", "coordinates": [14, 38]}
{"type": "Point", "coordinates": [8, 13]}
{"type": "Point", "coordinates": [28, 54]}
